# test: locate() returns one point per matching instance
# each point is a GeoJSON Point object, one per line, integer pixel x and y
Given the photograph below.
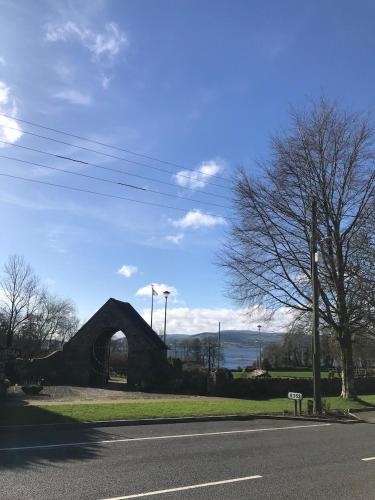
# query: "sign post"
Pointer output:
{"type": "Point", "coordinates": [297, 398]}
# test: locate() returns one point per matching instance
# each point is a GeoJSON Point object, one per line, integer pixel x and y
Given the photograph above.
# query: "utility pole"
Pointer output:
{"type": "Point", "coordinates": [209, 357]}
{"type": "Point", "coordinates": [260, 346]}
{"type": "Point", "coordinates": [219, 347]}
{"type": "Point", "coordinates": [315, 309]}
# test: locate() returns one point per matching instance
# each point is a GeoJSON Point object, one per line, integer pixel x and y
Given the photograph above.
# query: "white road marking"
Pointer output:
{"type": "Point", "coordinates": [155, 438]}
{"type": "Point", "coordinates": [184, 488]}
{"type": "Point", "coordinates": [368, 459]}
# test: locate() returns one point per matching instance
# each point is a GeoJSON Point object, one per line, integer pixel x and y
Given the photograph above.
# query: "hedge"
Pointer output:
{"type": "Point", "coordinates": [279, 387]}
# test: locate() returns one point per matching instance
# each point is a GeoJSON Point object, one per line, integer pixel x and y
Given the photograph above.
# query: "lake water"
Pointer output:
{"type": "Point", "coordinates": [234, 357]}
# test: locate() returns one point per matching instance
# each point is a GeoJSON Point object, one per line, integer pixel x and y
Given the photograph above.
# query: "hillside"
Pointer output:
{"type": "Point", "coordinates": [233, 338]}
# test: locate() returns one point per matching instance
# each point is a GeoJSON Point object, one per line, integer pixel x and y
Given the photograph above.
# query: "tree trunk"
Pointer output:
{"type": "Point", "coordinates": [347, 375]}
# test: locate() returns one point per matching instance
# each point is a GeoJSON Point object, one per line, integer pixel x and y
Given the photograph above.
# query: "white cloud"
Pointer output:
{"type": "Point", "coordinates": [175, 238]}
{"type": "Point", "coordinates": [4, 93]}
{"type": "Point", "coordinates": [74, 97]}
{"type": "Point", "coordinates": [105, 44]}
{"type": "Point", "coordinates": [127, 271]}
{"type": "Point", "coordinates": [199, 177]}
{"type": "Point", "coordinates": [2, 61]}
{"type": "Point", "coordinates": [196, 218]}
{"type": "Point", "coordinates": [65, 71]}
{"type": "Point", "coordinates": [106, 80]}
{"type": "Point", "coordinates": [9, 107]}
{"type": "Point", "coordinates": [56, 240]}
{"type": "Point", "coordinates": [196, 320]}
{"type": "Point", "coordinates": [159, 289]}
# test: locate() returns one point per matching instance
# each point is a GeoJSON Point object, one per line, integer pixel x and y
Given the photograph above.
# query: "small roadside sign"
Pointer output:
{"type": "Point", "coordinates": [295, 395]}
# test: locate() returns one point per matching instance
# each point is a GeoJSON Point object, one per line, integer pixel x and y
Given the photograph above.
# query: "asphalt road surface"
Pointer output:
{"type": "Point", "coordinates": [256, 459]}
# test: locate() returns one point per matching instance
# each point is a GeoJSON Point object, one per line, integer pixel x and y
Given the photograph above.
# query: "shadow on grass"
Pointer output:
{"type": "Point", "coordinates": [26, 448]}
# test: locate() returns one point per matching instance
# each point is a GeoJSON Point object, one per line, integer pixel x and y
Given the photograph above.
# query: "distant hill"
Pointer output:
{"type": "Point", "coordinates": [233, 338]}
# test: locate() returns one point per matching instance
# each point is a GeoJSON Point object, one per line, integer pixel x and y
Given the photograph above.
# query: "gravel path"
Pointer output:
{"type": "Point", "coordinates": [75, 394]}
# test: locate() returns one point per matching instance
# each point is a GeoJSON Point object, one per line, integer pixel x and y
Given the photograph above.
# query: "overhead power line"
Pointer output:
{"type": "Point", "coordinates": [111, 169]}
{"type": "Point", "coordinates": [105, 195]}
{"type": "Point", "coordinates": [101, 179]}
{"type": "Point", "coordinates": [93, 141]}
{"type": "Point", "coordinates": [108, 155]}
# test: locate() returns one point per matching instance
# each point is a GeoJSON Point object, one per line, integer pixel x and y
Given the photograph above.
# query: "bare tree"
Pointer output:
{"type": "Point", "coordinates": [327, 154]}
{"type": "Point", "coordinates": [20, 295]}
{"type": "Point", "coordinates": [31, 319]}
{"type": "Point", "coordinates": [49, 327]}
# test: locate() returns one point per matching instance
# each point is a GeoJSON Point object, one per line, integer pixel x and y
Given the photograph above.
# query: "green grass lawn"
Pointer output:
{"type": "Point", "coordinates": [13, 415]}
{"type": "Point", "coordinates": [118, 378]}
{"type": "Point", "coordinates": [284, 374]}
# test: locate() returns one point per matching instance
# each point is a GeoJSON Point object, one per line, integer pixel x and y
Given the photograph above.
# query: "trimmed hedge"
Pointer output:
{"type": "Point", "coordinates": [279, 387]}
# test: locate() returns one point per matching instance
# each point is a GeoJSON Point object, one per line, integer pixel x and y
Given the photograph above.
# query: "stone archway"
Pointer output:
{"type": "Point", "coordinates": [83, 359]}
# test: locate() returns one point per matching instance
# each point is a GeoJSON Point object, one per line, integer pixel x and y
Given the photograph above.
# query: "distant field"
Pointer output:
{"type": "Point", "coordinates": [284, 374]}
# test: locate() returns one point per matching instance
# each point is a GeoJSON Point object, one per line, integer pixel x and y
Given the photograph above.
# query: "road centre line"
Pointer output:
{"type": "Point", "coordinates": [184, 488]}
{"type": "Point", "coordinates": [368, 459]}
{"type": "Point", "coordinates": [155, 438]}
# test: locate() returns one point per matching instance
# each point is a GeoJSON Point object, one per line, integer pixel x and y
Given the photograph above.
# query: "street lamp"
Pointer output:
{"type": "Point", "coordinates": [166, 295]}
{"type": "Point", "coordinates": [260, 347]}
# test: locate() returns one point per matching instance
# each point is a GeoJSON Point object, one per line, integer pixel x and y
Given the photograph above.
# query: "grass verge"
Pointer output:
{"type": "Point", "coordinates": [46, 414]}
{"type": "Point", "coordinates": [283, 374]}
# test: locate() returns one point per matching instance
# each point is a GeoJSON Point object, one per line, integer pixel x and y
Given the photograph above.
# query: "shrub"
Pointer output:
{"type": "Point", "coordinates": [4, 385]}
{"type": "Point", "coordinates": [32, 389]}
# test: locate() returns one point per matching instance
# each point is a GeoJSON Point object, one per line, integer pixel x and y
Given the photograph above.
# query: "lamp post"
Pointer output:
{"type": "Point", "coordinates": [260, 347]}
{"type": "Point", "coordinates": [166, 295]}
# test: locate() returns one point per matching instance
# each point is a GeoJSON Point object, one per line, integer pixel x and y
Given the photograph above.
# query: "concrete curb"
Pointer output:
{"type": "Point", "coordinates": [360, 410]}
{"type": "Point", "coordinates": [353, 413]}
{"type": "Point", "coordinates": [358, 419]}
{"type": "Point", "coordinates": [175, 420]}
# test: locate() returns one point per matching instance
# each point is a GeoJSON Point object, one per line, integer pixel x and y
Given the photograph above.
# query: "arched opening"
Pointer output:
{"type": "Point", "coordinates": [118, 358]}
{"type": "Point", "coordinates": [109, 358]}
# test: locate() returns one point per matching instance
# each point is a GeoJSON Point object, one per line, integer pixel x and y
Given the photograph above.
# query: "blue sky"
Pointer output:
{"type": "Point", "coordinates": [202, 84]}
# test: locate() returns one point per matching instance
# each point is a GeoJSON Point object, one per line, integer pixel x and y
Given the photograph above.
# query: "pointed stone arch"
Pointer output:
{"type": "Point", "coordinates": [83, 360]}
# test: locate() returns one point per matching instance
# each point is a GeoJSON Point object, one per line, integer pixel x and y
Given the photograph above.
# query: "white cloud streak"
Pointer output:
{"type": "Point", "coordinates": [74, 97]}
{"type": "Point", "coordinates": [105, 44]}
{"type": "Point", "coordinates": [9, 107]}
{"type": "Point", "coordinates": [198, 178]}
{"type": "Point", "coordinates": [196, 219]}
{"type": "Point", "coordinates": [65, 71]}
{"type": "Point", "coordinates": [105, 81]}
{"type": "Point", "coordinates": [175, 238]}
{"type": "Point", "coordinates": [127, 271]}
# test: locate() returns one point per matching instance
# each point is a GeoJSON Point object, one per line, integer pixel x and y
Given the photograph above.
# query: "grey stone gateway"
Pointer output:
{"type": "Point", "coordinates": [84, 359]}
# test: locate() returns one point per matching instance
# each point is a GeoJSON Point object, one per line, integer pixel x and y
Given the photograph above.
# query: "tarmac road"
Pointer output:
{"type": "Point", "coordinates": [256, 459]}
